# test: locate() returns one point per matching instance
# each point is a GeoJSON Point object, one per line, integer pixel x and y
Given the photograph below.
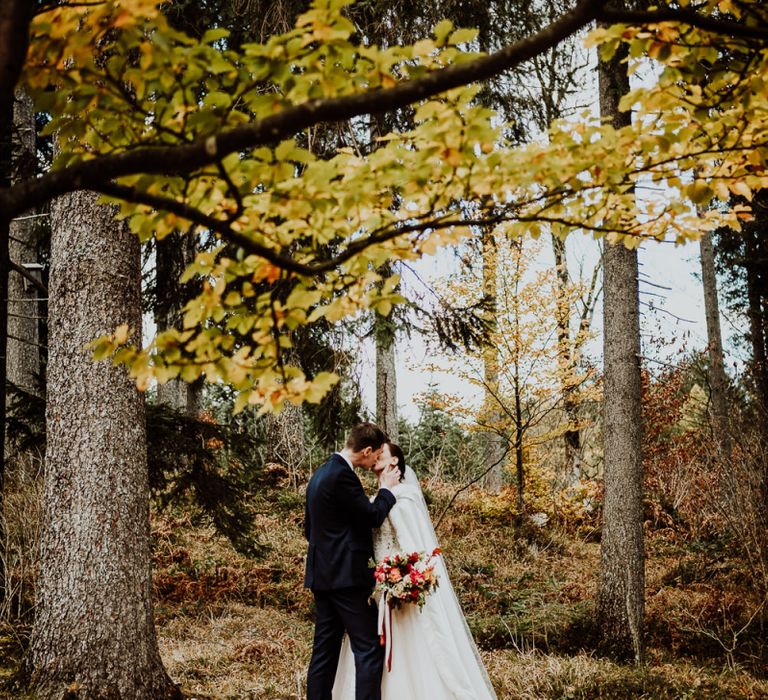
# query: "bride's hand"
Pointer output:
{"type": "Point", "coordinates": [389, 477]}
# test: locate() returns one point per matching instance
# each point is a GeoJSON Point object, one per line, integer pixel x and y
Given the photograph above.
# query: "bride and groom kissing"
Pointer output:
{"type": "Point", "coordinates": [432, 653]}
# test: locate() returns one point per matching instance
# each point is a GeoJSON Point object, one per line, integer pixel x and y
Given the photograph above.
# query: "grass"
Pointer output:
{"type": "Point", "coordinates": [527, 594]}
{"type": "Point", "coordinates": [237, 651]}
{"type": "Point", "coordinates": [536, 676]}
{"type": "Point", "coordinates": [234, 628]}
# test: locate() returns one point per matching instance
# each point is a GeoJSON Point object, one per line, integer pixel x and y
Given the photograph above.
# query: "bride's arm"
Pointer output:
{"type": "Point", "coordinates": [411, 522]}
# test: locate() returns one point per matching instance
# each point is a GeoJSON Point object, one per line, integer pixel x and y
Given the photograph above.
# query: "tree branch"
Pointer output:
{"type": "Point", "coordinates": [219, 226]}
{"type": "Point", "coordinates": [225, 230]}
{"type": "Point", "coordinates": [30, 278]}
{"type": "Point", "coordinates": [611, 15]}
{"type": "Point", "coordinates": [181, 159]}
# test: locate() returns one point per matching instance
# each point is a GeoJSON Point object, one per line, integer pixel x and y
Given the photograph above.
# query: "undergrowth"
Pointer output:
{"type": "Point", "coordinates": [231, 627]}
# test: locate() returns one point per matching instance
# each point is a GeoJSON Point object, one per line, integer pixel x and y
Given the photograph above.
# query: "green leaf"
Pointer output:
{"type": "Point", "coordinates": [441, 31]}
{"type": "Point", "coordinates": [463, 36]}
{"type": "Point", "coordinates": [213, 35]}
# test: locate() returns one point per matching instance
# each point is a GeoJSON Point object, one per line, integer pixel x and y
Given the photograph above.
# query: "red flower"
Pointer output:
{"type": "Point", "coordinates": [406, 577]}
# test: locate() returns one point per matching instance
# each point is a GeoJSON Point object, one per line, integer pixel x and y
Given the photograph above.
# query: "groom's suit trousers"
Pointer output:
{"type": "Point", "coordinates": [350, 609]}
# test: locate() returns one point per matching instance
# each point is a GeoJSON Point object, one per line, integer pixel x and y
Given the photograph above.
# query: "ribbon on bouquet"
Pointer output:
{"type": "Point", "coordinates": [385, 628]}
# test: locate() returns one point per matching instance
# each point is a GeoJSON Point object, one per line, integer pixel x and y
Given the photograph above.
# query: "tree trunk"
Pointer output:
{"type": "Point", "coordinates": [567, 361]}
{"type": "Point", "coordinates": [519, 455]}
{"type": "Point", "coordinates": [757, 310]}
{"type": "Point", "coordinates": [757, 294]}
{"type": "Point", "coordinates": [22, 364]}
{"type": "Point", "coordinates": [94, 629]}
{"type": "Point", "coordinates": [493, 455]}
{"type": "Point", "coordinates": [386, 376]}
{"type": "Point", "coordinates": [517, 385]}
{"type": "Point", "coordinates": [620, 599]}
{"type": "Point", "coordinates": [6, 124]}
{"type": "Point", "coordinates": [385, 337]}
{"type": "Point", "coordinates": [717, 377]}
{"type": "Point", "coordinates": [13, 14]}
{"type": "Point", "coordinates": [172, 256]}
{"type": "Point", "coordinates": [23, 306]}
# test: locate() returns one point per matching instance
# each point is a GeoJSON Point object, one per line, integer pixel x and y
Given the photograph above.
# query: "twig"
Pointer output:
{"type": "Point", "coordinates": [468, 484]}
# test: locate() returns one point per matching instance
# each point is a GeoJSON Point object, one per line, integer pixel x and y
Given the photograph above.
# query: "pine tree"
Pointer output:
{"type": "Point", "coordinates": [621, 591]}
{"type": "Point", "coordinates": [94, 629]}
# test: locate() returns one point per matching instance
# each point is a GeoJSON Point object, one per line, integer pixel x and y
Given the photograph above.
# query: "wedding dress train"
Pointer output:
{"type": "Point", "coordinates": [433, 653]}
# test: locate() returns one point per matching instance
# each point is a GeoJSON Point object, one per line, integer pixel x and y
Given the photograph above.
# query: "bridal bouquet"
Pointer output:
{"type": "Point", "coordinates": [406, 577]}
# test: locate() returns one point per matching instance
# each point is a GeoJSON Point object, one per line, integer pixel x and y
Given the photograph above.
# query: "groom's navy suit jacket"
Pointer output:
{"type": "Point", "coordinates": [338, 523]}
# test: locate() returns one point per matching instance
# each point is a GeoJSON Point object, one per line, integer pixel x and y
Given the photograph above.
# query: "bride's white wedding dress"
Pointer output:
{"type": "Point", "coordinates": [433, 653]}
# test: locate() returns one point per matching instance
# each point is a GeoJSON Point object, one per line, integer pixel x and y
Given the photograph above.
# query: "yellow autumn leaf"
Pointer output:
{"type": "Point", "coordinates": [120, 336]}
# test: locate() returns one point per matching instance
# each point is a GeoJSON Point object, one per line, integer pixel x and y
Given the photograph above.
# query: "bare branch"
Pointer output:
{"type": "Point", "coordinates": [30, 278]}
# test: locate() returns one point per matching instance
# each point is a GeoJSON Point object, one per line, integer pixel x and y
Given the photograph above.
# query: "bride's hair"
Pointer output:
{"type": "Point", "coordinates": [397, 452]}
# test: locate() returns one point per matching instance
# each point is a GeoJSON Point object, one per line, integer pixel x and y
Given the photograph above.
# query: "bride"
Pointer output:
{"type": "Point", "coordinates": [433, 653]}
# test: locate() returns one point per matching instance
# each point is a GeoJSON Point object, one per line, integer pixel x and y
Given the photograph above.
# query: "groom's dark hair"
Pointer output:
{"type": "Point", "coordinates": [366, 435]}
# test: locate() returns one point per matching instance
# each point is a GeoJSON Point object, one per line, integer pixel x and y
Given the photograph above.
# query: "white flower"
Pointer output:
{"type": "Point", "coordinates": [539, 519]}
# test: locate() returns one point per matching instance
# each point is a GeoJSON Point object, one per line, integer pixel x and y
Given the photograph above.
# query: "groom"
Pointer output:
{"type": "Point", "coordinates": [338, 522]}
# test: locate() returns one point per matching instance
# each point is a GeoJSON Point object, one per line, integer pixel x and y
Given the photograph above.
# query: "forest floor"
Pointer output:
{"type": "Point", "coordinates": [231, 627]}
{"type": "Point", "coordinates": [236, 628]}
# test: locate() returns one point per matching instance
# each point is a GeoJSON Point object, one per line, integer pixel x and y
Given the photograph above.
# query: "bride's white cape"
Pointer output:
{"type": "Point", "coordinates": [433, 653]}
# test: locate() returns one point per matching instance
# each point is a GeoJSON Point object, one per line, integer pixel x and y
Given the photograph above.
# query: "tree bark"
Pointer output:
{"type": "Point", "coordinates": [717, 378]}
{"type": "Point", "coordinates": [94, 629]}
{"type": "Point", "coordinates": [23, 363]}
{"type": "Point", "coordinates": [572, 435]}
{"type": "Point", "coordinates": [386, 376]}
{"type": "Point", "coordinates": [757, 297]}
{"type": "Point", "coordinates": [172, 256]}
{"type": "Point", "coordinates": [493, 455]}
{"type": "Point", "coordinates": [620, 599]}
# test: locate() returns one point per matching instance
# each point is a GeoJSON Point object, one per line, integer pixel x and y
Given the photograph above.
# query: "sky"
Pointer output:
{"type": "Point", "coordinates": [672, 302]}
{"type": "Point", "coordinates": [676, 323]}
